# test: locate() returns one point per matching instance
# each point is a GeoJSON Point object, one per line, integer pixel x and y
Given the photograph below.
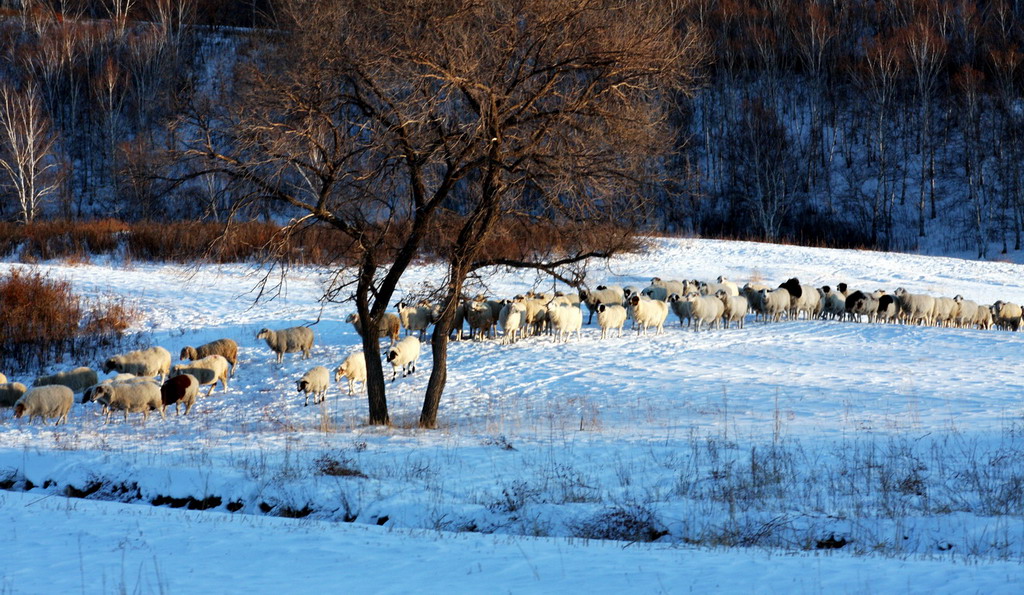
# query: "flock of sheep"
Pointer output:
{"type": "Point", "coordinates": [136, 389]}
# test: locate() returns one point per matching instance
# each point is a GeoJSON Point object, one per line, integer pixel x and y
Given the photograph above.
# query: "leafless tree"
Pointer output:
{"type": "Point", "coordinates": [26, 150]}
{"type": "Point", "coordinates": [398, 115]}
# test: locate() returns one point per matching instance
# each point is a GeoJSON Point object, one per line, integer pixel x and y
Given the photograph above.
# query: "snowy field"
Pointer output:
{"type": "Point", "coordinates": [805, 456]}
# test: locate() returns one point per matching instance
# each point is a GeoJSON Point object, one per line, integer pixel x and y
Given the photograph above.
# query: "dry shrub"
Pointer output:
{"type": "Point", "coordinates": [517, 238]}
{"type": "Point", "coordinates": [42, 321]}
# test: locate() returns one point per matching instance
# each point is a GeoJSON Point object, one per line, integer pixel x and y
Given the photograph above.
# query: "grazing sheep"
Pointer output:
{"type": "Point", "coordinates": [610, 316]}
{"type": "Point", "coordinates": [480, 318]}
{"type": "Point", "coordinates": [611, 294]}
{"type": "Point", "coordinates": [389, 325]}
{"type": "Point", "coordinates": [45, 402]}
{"type": "Point", "coordinates": [565, 320]}
{"type": "Point", "coordinates": [177, 390]}
{"type": "Point", "coordinates": [916, 307]}
{"type": "Point", "coordinates": [10, 392]}
{"type": "Point", "coordinates": [130, 397]}
{"type": "Point", "coordinates": [155, 361]}
{"type": "Point", "coordinates": [224, 347]}
{"type": "Point", "coordinates": [705, 309]}
{"type": "Point", "coordinates": [209, 370]}
{"type": "Point", "coordinates": [648, 313]}
{"type": "Point", "coordinates": [353, 369]}
{"type": "Point", "coordinates": [87, 394]}
{"type": "Point", "coordinates": [776, 303]}
{"type": "Point", "coordinates": [315, 382]}
{"type": "Point", "coordinates": [416, 318]}
{"type": "Point", "coordinates": [511, 320]}
{"type": "Point", "coordinates": [404, 356]}
{"type": "Point", "coordinates": [289, 340]}
{"type": "Point", "coordinates": [735, 308]}
{"type": "Point", "coordinates": [682, 308]}
{"type": "Point", "coordinates": [77, 380]}
{"type": "Point", "coordinates": [1006, 315]}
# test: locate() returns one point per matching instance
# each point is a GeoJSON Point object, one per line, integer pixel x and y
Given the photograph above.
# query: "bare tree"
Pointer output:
{"type": "Point", "coordinates": [382, 118]}
{"type": "Point", "coordinates": [26, 150]}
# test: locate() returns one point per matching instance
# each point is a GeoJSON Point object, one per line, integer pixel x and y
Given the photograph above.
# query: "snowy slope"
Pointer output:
{"type": "Point", "coordinates": [905, 444]}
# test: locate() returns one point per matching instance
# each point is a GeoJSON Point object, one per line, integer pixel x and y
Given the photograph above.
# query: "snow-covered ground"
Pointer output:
{"type": "Point", "coordinates": [748, 454]}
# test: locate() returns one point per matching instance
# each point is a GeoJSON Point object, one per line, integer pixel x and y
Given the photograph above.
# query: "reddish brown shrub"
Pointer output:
{"type": "Point", "coordinates": [42, 321]}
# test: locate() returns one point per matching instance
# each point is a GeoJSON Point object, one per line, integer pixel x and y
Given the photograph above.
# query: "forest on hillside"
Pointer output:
{"type": "Point", "coordinates": [891, 124]}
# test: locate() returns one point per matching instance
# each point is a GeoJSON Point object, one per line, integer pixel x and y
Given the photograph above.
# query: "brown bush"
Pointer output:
{"type": "Point", "coordinates": [249, 241]}
{"type": "Point", "coordinates": [42, 321]}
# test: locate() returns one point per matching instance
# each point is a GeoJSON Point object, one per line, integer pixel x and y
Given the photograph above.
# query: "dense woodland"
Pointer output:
{"type": "Point", "coordinates": [892, 124]}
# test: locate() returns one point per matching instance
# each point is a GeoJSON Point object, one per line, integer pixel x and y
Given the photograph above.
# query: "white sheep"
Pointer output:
{"type": "Point", "coordinates": [315, 382]}
{"type": "Point", "coordinates": [179, 390]}
{"type": "Point", "coordinates": [565, 320]}
{"type": "Point", "coordinates": [289, 340]}
{"type": "Point", "coordinates": [729, 287]}
{"type": "Point", "coordinates": [130, 397]}
{"type": "Point", "coordinates": [404, 356]}
{"type": "Point", "coordinates": [353, 368]}
{"type": "Point", "coordinates": [755, 299]}
{"type": "Point", "coordinates": [10, 392]}
{"type": "Point", "coordinates": [77, 380]}
{"type": "Point", "coordinates": [945, 311]}
{"type": "Point", "coordinates": [389, 325]}
{"type": "Point", "coordinates": [511, 320]}
{"type": "Point", "coordinates": [611, 294]}
{"type": "Point", "coordinates": [155, 361]}
{"type": "Point", "coordinates": [983, 319]}
{"type": "Point", "coordinates": [225, 347]}
{"type": "Point", "coordinates": [87, 394]}
{"type": "Point", "coordinates": [610, 316]}
{"type": "Point", "coordinates": [416, 318]}
{"type": "Point", "coordinates": [1007, 315]}
{"type": "Point", "coordinates": [705, 309]}
{"type": "Point", "coordinates": [648, 313]}
{"type": "Point", "coordinates": [535, 318]}
{"type": "Point", "coordinates": [46, 402]}
{"type": "Point", "coordinates": [710, 289]}
{"type": "Point", "coordinates": [735, 308]}
{"type": "Point", "coordinates": [833, 303]}
{"type": "Point", "coordinates": [809, 302]}
{"type": "Point", "coordinates": [863, 304]}
{"type": "Point", "coordinates": [917, 308]}
{"type": "Point", "coordinates": [481, 319]}
{"type": "Point", "coordinates": [776, 303]}
{"type": "Point", "coordinates": [682, 308]}
{"type": "Point", "coordinates": [888, 308]}
{"type": "Point", "coordinates": [208, 371]}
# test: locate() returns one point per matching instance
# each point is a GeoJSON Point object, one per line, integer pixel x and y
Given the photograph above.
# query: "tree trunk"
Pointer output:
{"type": "Point", "coordinates": [439, 349]}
